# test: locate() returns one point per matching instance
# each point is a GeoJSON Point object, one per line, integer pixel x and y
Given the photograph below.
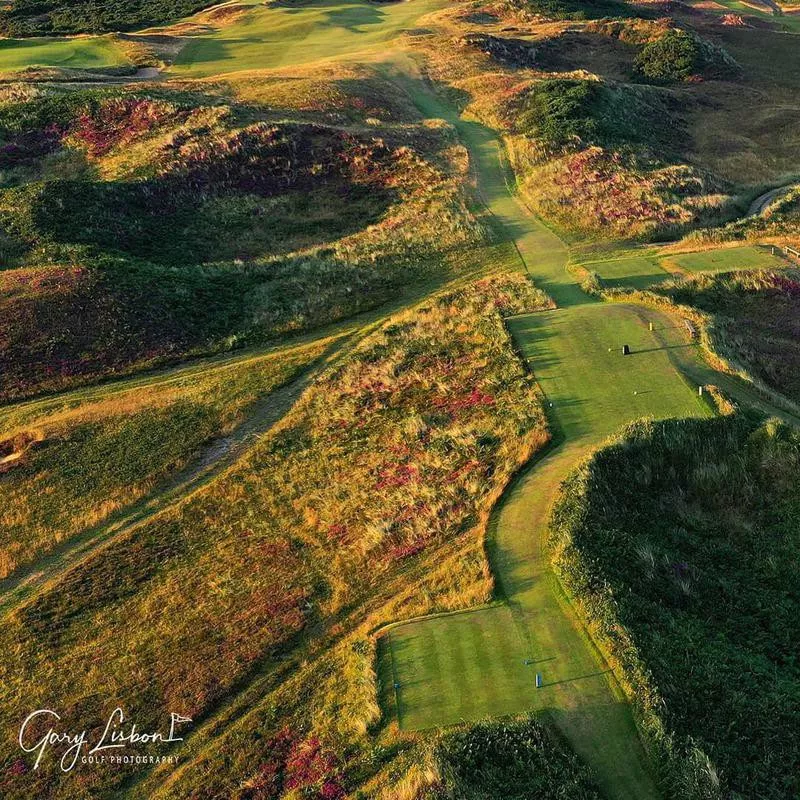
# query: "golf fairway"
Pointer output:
{"type": "Point", "coordinates": [483, 663]}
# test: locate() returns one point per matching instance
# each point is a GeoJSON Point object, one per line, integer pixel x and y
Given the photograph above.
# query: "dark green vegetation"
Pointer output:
{"type": "Point", "coordinates": [680, 541]}
{"type": "Point", "coordinates": [142, 229]}
{"type": "Point", "coordinates": [563, 112]}
{"type": "Point", "coordinates": [48, 17]}
{"type": "Point", "coordinates": [756, 321]}
{"type": "Point", "coordinates": [516, 761]}
{"type": "Point", "coordinates": [680, 56]}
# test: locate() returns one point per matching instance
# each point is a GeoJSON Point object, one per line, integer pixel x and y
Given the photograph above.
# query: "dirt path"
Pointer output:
{"type": "Point", "coordinates": [762, 203]}
{"type": "Point", "coordinates": [219, 455]}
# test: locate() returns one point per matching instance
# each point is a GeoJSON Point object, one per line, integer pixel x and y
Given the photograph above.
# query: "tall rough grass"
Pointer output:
{"type": "Point", "coordinates": [673, 542]}
{"type": "Point", "coordinates": [369, 500]}
{"type": "Point", "coordinates": [81, 462]}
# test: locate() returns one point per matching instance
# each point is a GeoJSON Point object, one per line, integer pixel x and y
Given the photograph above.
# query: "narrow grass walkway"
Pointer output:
{"type": "Point", "coordinates": [484, 663]}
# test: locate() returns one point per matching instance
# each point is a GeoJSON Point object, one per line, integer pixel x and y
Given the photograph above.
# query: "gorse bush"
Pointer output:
{"type": "Point", "coordinates": [679, 540]}
{"type": "Point", "coordinates": [514, 760]}
{"type": "Point", "coordinates": [677, 55]}
{"type": "Point", "coordinates": [562, 111]}
{"type": "Point", "coordinates": [37, 18]}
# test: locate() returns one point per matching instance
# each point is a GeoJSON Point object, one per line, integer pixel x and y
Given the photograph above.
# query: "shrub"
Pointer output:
{"type": "Point", "coordinates": [563, 111]}
{"type": "Point", "coordinates": [37, 18]}
{"type": "Point", "coordinates": [513, 760]}
{"type": "Point", "coordinates": [680, 56]}
{"type": "Point", "coordinates": [559, 111]}
{"type": "Point", "coordinates": [673, 57]}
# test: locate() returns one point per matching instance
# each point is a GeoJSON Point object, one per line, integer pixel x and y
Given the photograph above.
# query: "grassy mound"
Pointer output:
{"type": "Point", "coordinates": [562, 111]}
{"type": "Point", "coordinates": [516, 761]}
{"type": "Point", "coordinates": [367, 504]}
{"type": "Point", "coordinates": [143, 229]}
{"type": "Point", "coordinates": [781, 221]}
{"type": "Point", "coordinates": [679, 540]}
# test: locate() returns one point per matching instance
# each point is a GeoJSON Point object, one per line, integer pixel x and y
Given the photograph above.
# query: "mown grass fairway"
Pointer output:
{"type": "Point", "coordinates": [83, 52]}
{"type": "Point", "coordinates": [577, 356]}
{"type": "Point", "coordinates": [638, 271]}
{"type": "Point", "coordinates": [725, 259]}
{"type": "Point", "coordinates": [276, 37]}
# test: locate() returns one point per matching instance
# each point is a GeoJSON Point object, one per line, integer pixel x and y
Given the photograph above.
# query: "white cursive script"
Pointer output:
{"type": "Point", "coordinates": [115, 735]}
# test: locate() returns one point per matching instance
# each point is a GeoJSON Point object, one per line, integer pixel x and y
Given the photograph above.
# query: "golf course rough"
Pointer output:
{"type": "Point", "coordinates": [483, 663]}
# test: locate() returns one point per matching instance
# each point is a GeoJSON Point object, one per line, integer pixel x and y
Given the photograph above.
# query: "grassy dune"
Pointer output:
{"type": "Point", "coordinates": [754, 322]}
{"type": "Point", "coordinates": [134, 228]}
{"type": "Point", "coordinates": [678, 540]}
